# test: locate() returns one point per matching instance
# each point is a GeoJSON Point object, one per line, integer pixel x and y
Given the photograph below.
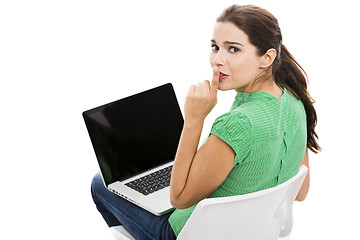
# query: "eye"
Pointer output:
{"type": "Point", "coordinates": [234, 49]}
{"type": "Point", "coordinates": [214, 47]}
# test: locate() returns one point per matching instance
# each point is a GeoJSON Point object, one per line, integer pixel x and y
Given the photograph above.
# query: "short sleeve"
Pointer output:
{"type": "Point", "coordinates": [235, 129]}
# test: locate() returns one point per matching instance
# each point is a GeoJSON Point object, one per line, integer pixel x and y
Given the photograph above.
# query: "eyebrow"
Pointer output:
{"type": "Point", "coordinates": [228, 42]}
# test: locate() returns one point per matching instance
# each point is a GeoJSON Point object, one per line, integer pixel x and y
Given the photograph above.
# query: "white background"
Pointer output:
{"type": "Point", "coordinates": [59, 58]}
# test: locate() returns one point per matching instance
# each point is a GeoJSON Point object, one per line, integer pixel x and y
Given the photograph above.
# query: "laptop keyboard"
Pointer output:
{"type": "Point", "coordinates": [152, 182]}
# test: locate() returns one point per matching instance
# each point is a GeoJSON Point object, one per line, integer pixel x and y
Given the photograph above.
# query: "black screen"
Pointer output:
{"type": "Point", "coordinates": [136, 133]}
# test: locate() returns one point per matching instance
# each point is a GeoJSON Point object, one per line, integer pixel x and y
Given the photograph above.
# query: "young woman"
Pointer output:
{"type": "Point", "coordinates": [260, 143]}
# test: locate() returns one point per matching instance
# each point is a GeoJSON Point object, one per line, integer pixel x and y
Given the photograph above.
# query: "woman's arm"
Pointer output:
{"type": "Point", "coordinates": [195, 178]}
{"type": "Point", "coordinates": [306, 184]}
{"type": "Point", "coordinates": [196, 174]}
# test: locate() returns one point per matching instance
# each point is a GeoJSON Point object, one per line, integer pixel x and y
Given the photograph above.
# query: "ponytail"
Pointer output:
{"type": "Point", "coordinates": [289, 74]}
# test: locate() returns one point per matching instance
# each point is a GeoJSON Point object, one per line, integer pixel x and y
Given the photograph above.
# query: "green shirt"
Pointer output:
{"type": "Point", "coordinates": [268, 135]}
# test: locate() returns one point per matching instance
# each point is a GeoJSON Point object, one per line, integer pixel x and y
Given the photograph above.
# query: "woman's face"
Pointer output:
{"type": "Point", "coordinates": [235, 57]}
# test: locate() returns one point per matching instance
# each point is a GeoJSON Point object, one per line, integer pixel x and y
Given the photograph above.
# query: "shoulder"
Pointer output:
{"type": "Point", "coordinates": [235, 129]}
{"type": "Point", "coordinates": [233, 121]}
{"type": "Point", "coordinates": [295, 104]}
{"type": "Point", "coordinates": [295, 109]}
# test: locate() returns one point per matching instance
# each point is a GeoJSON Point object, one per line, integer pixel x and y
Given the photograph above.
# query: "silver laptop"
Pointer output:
{"type": "Point", "coordinates": [135, 141]}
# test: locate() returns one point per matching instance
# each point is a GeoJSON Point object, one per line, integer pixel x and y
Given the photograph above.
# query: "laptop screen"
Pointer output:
{"type": "Point", "coordinates": [135, 134]}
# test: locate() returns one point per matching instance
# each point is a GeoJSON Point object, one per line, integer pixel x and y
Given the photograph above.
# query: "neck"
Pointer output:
{"type": "Point", "coordinates": [268, 86]}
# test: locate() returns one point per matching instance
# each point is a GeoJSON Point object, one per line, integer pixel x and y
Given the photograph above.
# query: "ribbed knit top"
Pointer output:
{"type": "Point", "coordinates": [268, 135]}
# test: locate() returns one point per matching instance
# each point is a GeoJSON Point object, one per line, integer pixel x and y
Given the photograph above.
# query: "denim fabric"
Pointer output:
{"type": "Point", "coordinates": [118, 211]}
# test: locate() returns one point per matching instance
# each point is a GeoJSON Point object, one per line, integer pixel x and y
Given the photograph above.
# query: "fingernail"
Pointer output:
{"type": "Point", "coordinates": [216, 69]}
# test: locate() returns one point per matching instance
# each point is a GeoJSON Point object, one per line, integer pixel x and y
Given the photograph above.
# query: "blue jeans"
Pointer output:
{"type": "Point", "coordinates": [118, 211]}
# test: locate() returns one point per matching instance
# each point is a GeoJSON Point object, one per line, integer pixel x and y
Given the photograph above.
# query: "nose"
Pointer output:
{"type": "Point", "coordinates": [217, 59]}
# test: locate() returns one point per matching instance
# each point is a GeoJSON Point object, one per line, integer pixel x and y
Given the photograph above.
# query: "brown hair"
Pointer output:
{"type": "Point", "coordinates": [264, 33]}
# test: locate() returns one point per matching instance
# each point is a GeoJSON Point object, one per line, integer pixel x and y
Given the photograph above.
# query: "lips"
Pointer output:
{"type": "Point", "coordinates": [223, 76]}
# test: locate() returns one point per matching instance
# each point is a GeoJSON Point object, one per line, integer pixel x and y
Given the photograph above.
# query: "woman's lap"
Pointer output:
{"type": "Point", "coordinates": [118, 211]}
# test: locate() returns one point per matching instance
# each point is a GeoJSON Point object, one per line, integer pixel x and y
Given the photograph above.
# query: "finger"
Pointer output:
{"type": "Point", "coordinates": [204, 88]}
{"type": "Point", "coordinates": [199, 88]}
{"type": "Point", "coordinates": [207, 84]}
{"type": "Point", "coordinates": [191, 89]}
{"type": "Point", "coordinates": [215, 81]}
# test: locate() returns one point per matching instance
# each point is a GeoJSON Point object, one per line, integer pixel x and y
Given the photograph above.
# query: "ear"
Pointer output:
{"type": "Point", "coordinates": [268, 58]}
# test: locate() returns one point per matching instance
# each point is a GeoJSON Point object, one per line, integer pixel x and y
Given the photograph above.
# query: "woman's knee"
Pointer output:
{"type": "Point", "coordinates": [97, 184]}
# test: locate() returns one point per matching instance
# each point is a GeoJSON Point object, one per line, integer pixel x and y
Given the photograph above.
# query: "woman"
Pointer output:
{"type": "Point", "coordinates": [260, 143]}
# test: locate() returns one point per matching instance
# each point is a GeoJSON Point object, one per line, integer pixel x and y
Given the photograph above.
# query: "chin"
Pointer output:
{"type": "Point", "coordinates": [224, 87]}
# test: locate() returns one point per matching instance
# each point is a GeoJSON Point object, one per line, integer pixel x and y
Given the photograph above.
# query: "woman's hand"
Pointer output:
{"type": "Point", "coordinates": [201, 99]}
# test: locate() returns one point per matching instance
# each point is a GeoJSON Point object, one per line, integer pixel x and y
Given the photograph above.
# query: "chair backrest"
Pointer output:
{"type": "Point", "coordinates": [266, 214]}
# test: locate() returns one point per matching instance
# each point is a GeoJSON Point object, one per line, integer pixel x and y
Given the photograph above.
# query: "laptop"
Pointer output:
{"type": "Point", "coordinates": [135, 141]}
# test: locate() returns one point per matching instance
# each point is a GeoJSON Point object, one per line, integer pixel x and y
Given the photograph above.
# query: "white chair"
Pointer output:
{"type": "Point", "coordinates": [262, 215]}
{"type": "Point", "coordinates": [120, 233]}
